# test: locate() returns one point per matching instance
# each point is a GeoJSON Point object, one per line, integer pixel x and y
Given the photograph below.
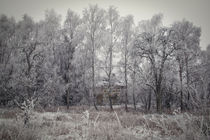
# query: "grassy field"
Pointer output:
{"type": "Point", "coordinates": [84, 123]}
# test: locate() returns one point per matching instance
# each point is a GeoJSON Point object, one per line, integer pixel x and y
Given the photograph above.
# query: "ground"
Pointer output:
{"type": "Point", "coordinates": [85, 123]}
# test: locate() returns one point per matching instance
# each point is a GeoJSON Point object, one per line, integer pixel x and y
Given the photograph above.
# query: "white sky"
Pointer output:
{"type": "Point", "coordinates": [196, 11]}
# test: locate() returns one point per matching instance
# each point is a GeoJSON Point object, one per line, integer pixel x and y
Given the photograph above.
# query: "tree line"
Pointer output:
{"type": "Point", "coordinates": [49, 63]}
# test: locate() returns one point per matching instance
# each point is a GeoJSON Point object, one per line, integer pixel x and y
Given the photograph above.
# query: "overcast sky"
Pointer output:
{"type": "Point", "coordinates": [196, 11]}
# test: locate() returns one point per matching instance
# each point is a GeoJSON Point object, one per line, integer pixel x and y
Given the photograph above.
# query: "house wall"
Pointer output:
{"type": "Point", "coordinates": [103, 94]}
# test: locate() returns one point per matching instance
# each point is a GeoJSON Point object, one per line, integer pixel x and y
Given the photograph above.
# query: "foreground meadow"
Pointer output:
{"type": "Point", "coordinates": [84, 123]}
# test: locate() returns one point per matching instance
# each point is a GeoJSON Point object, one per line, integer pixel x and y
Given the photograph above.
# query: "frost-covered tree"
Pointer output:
{"type": "Point", "coordinates": [110, 40]}
{"type": "Point", "coordinates": [95, 24]}
{"type": "Point", "coordinates": [72, 37]}
{"type": "Point", "coordinates": [27, 61]}
{"type": "Point", "coordinates": [187, 38]}
{"type": "Point", "coordinates": [156, 46]}
{"type": "Point", "coordinates": [7, 40]}
{"type": "Point", "coordinates": [126, 41]}
{"type": "Point", "coordinates": [50, 36]}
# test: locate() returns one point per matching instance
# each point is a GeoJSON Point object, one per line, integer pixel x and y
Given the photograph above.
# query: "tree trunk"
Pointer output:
{"type": "Point", "coordinates": [93, 86]}
{"type": "Point", "coordinates": [159, 100]}
{"type": "Point", "coordinates": [134, 85]}
{"type": "Point", "coordinates": [126, 99]}
{"type": "Point", "coordinates": [134, 97]}
{"type": "Point", "coordinates": [67, 98]}
{"type": "Point", "coordinates": [110, 103]}
{"type": "Point", "coordinates": [110, 100]}
{"type": "Point", "coordinates": [94, 102]}
{"type": "Point", "coordinates": [93, 70]}
{"type": "Point", "coordinates": [126, 90]}
{"type": "Point", "coordinates": [134, 101]}
{"type": "Point", "coordinates": [110, 74]}
{"type": "Point", "coordinates": [149, 100]}
{"type": "Point", "coordinates": [126, 79]}
{"type": "Point", "coordinates": [181, 89]}
{"type": "Point", "coordinates": [187, 77]}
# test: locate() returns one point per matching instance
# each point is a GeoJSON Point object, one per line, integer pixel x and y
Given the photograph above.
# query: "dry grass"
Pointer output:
{"type": "Point", "coordinates": [16, 131]}
{"type": "Point", "coordinates": [86, 123]}
{"type": "Point", "coordinates": [9, 113]}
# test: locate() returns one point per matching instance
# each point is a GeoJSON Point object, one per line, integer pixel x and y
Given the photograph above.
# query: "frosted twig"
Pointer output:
{"type": "Point", "coordinates": [118, 119]}
{"type": "Point", "coordinates": [96, 120]}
